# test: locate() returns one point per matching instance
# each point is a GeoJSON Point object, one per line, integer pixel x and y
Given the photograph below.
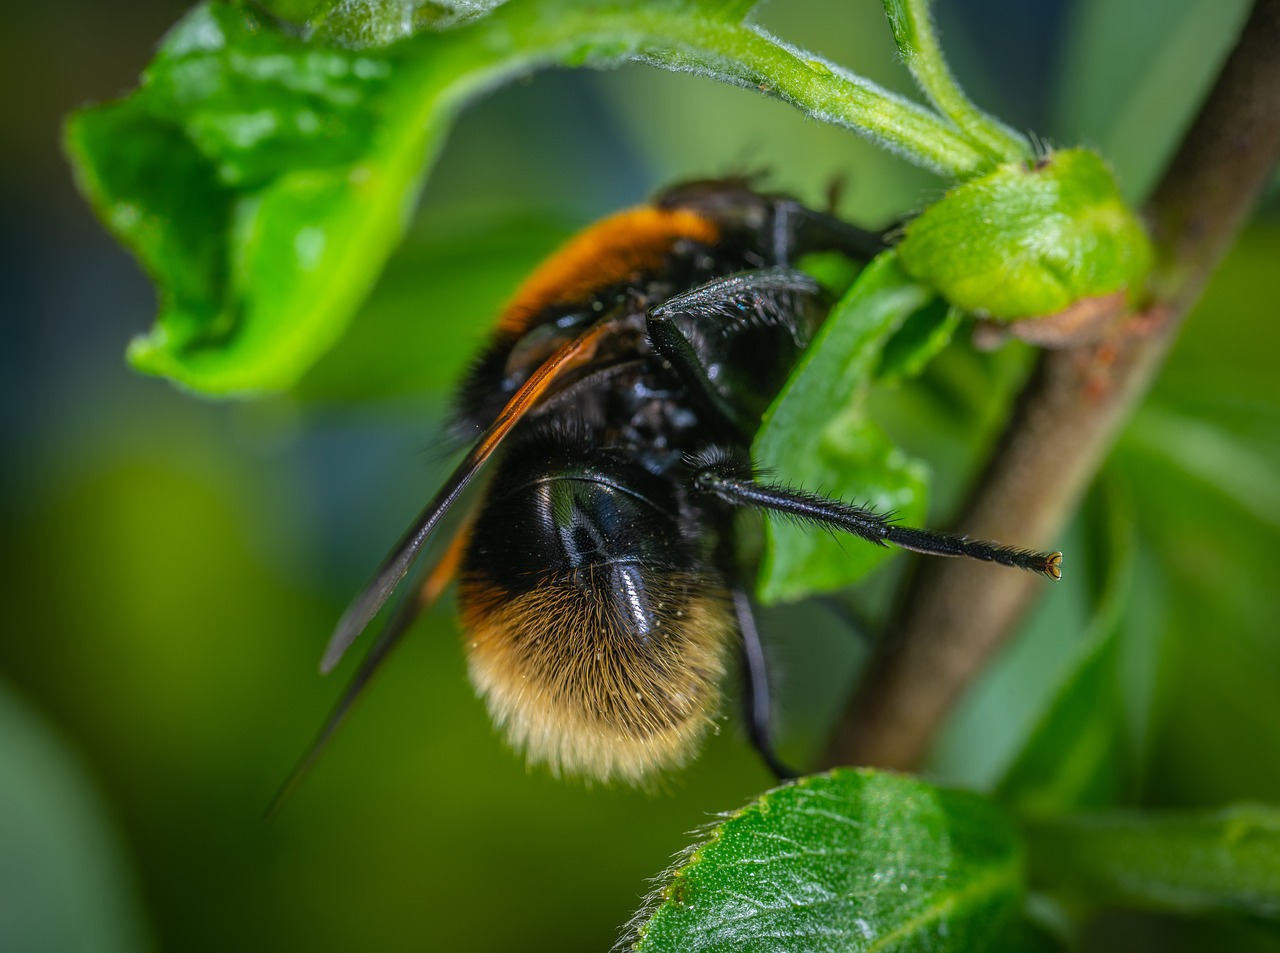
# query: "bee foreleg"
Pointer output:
{"type": "Point", "coordinates": [670, 343]}
{"type": "Point", "coordinates": [772, 297]}
{"type": "Point", "coordinates": [769, 297]}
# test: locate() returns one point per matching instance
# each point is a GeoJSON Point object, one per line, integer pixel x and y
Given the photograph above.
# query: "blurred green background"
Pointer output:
{"type": "Point", "coordinates": [172, 566]}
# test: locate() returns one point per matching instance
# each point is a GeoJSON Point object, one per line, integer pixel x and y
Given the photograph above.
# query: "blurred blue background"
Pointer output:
{"type": "Point", "coordinates": [172, 566]}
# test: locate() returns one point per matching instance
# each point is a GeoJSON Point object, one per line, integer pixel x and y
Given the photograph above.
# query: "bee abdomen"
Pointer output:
{"type": "Point", "coordinates": [610, 672]}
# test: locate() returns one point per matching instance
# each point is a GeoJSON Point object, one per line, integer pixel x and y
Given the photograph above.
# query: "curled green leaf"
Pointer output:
{"type": "Point", "coordinates": [262, 182]}
{"type": "Point", "coordinates": [1030, 240]}
{"type": "Point", "coordinates": [263, 177]}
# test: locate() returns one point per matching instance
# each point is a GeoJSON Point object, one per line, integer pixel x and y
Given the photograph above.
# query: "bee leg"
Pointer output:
{"type": "Point", "coordinates": [774, 297]}
{"type": "Point", "coordinates": [733, 482]}
{"type": "Point", "coordinates": [771, 296]}
{"type": "Point", "coordinates": [756, 688]}
{"type": "Point", "coordinates": [676, 349]}
{"type": "Point", "coordinates": [798, 229]}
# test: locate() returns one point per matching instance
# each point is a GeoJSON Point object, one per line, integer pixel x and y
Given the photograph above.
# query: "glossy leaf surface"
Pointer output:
{"type": "Point", "coordinates": [263, 179]}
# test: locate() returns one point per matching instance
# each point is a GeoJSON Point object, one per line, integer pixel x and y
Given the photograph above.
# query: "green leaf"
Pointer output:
{"type": "Point", "coordinates": [817, 434]}
{"type": "Point", "coordinates": [1219, 861]}
{"type": "Point", "coordinates": [1202, 458]}
{"type": "Point", "coordinates": [851, 860]}
{"type": "Point", "coordinates": [1024, 935]}
{"type": "Point", "coordinates": [1030, 240]}
{"type": "Point", "coordinates": [921, 338]}
{"type": "Point", "coordinates": [369, 23]}
{"type": "Point", "coordinates": [1075, 756]}
{"type": "Point", "coordinates": [1212, 533]}
{"type": "Point", "coordinates": [263, 179]}
{"type": "Point", "coordinates": [255, 178]}
{"type": "Point", "coordinates": [1239, 468]}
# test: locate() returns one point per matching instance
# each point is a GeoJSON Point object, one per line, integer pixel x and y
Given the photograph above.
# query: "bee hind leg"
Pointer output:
{"type": "Point", "coordinates": [756, 689]}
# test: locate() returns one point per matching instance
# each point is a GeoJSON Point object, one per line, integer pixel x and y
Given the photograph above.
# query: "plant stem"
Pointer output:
{"type": "Point", "coordinates": [523, 37]}
{"type": "Point", "coordinates": [748, 56]}
{"type": "Point", "coordinates": [918, 43]}
{"type": "Point", "coordinates": [955, 614]}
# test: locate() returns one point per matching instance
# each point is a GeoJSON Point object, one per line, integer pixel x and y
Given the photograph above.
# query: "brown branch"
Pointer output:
{"type": "Point", "coordinates": [955, 613]}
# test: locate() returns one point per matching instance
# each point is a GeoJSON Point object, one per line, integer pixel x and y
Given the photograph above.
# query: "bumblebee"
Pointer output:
{"type": "Point", "coordinates": [600, 583]}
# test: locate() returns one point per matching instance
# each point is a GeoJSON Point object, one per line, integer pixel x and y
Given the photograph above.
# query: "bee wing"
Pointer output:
{"type": "Point", "coordinates": [397, 625]}
{"type": "Point", "coordinates": [394, 568]}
